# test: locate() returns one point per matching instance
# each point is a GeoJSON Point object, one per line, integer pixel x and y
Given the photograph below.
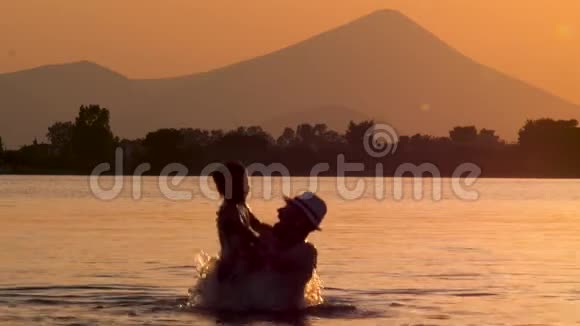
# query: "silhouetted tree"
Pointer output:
{"type": "Point", "coordinates": [324, 137]}
{"type": "Point", "coordinates": [488, 137]}
{"type": "Point", "coordinates": [548, 133]}
{"type": "Point", "coordinates": [163, 147]}
{"type": "Point", "coordinates": [463, 134]}
{"type": "Point", "coordinates": [287, 138]}
{"type": "Point", "coordinates": [216, 135]}
{"type": "Point", "coordinates": [420, 142]}
{"type": "Point", "coordinates": [1, 152]}
{"type": "Point", "coordinates": [332, 138]}
{"type": "Point", "coordinates": [305, 134]}
{"type": "Point", "coordinates": [320, 129]}
{"type": "Point", "coordinates": [196, 137]}
{"type": "Point", "coordinates": [193, 148]}
{"type": "Point", "coordinates": [60, 136]}
{"type": "Point", "coordinates": [244, 144]}
{"type": "Point", "coordinates": [356, 131]}
{"type": "Point", "coordinates": [551, 147]}
{"type": "Point", "coordinates": [546, 148]}
{"type": "Point", "coordinates": [34, 158]}
{"type": "Point", "coordinates": [134, 154]}
{"type": "Point", "coordinates": [92, 139]}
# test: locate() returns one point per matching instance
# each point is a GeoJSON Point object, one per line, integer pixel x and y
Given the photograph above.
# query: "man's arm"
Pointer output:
{"type": "Point", "coordinates": [257, 225]}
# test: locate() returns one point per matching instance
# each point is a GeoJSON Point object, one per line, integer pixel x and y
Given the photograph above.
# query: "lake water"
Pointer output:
{"type": "Point", "coordinates": [508, 258]}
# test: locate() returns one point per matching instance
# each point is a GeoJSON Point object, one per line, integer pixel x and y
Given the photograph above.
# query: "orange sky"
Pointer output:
{"type": "Point", "coordinates": [535, 40]}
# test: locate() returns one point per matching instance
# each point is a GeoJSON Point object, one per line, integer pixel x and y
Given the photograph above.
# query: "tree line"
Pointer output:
{"type": "Point", "coordinates": [545, 148]}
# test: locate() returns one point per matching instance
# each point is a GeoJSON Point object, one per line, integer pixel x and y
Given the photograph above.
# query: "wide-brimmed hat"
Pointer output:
{"type": "Point", "coordinates": [313, 207]}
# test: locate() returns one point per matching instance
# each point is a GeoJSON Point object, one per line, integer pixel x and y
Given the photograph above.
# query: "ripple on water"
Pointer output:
{"type": "Point", "coordinates": [139, 301]}
{"type": "Point", "coordinates": [87, 294]}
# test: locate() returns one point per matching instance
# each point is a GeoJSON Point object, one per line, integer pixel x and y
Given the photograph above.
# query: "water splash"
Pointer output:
{"type": "Point", "coordinates": [258, 291]}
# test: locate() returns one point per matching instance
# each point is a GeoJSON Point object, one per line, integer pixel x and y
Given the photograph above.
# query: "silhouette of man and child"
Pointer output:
{"type": "Point", "coordinates": [251, 247]}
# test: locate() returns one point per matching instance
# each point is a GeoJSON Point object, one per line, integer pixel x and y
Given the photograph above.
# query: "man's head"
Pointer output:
{"type": "Point", "coordinates": [302, 214]}
{"type": "Point", "coordinates": [231, 181]}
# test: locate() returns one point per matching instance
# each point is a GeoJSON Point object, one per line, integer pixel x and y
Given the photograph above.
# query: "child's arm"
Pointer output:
{"type": "Point", "coordinates": [245, 232]}
{"type": "Point", "coordinates": [234, 224]}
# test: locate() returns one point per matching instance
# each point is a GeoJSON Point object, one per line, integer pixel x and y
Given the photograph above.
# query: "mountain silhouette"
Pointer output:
{"type": "Point", "coordinates": [383, 66]}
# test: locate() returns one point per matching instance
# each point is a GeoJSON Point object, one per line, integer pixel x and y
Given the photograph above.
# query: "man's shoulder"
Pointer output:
{"type": "Point", "coordinates": [304, 249]}
{"type": "Point", "coordinates": [309, 246]}
{"type": "Point", "coordinates": [302, 256]}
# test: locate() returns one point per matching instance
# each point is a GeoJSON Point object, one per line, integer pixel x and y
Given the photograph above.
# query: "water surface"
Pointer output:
{"type": "Point", "coordinates": [509, 258]}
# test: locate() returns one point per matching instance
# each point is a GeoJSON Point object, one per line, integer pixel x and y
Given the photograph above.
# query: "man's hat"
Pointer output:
{"type": "Point", "coordinates": [313, 207]}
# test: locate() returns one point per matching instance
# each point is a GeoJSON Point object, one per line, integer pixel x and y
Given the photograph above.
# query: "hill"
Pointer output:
{"type": "Point", "coordinates": [382, 65]}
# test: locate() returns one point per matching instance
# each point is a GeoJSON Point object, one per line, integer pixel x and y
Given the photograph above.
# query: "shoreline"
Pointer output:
{"type": "Point", "coordinates": [300, 175]}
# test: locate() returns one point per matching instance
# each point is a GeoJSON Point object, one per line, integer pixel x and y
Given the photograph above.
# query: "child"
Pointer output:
{"type": "Point", "coordinates": [235, 222]}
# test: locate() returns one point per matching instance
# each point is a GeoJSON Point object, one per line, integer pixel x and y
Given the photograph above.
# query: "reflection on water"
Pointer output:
{"type": "Point", "coordinates": [508, 258]}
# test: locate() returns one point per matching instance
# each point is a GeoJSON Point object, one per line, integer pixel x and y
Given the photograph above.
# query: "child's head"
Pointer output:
{"type": "Point", "coordinates": [231, 181]}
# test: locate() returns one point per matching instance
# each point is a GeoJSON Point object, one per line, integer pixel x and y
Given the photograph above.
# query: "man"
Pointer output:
{"type": "Point", "coordinates": [288, 254]}
{"type": "Point", "coordinates": [281, 266]}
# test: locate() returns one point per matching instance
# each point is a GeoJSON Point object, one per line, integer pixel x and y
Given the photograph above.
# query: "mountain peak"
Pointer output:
{"type": "Point", "coordinates": [84, 63]}
{"type": "Point", "coordinates": [83, 67]}
{"type": "Point", "coordinates": [385, 16]}
{"type": "Point", "coordinates": [385, 13]}
{"type": "Point", "coordinates": [382, 23]}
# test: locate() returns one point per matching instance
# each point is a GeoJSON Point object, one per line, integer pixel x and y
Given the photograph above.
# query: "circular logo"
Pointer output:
{"type": "Point", "coordinates": [380, 140]}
